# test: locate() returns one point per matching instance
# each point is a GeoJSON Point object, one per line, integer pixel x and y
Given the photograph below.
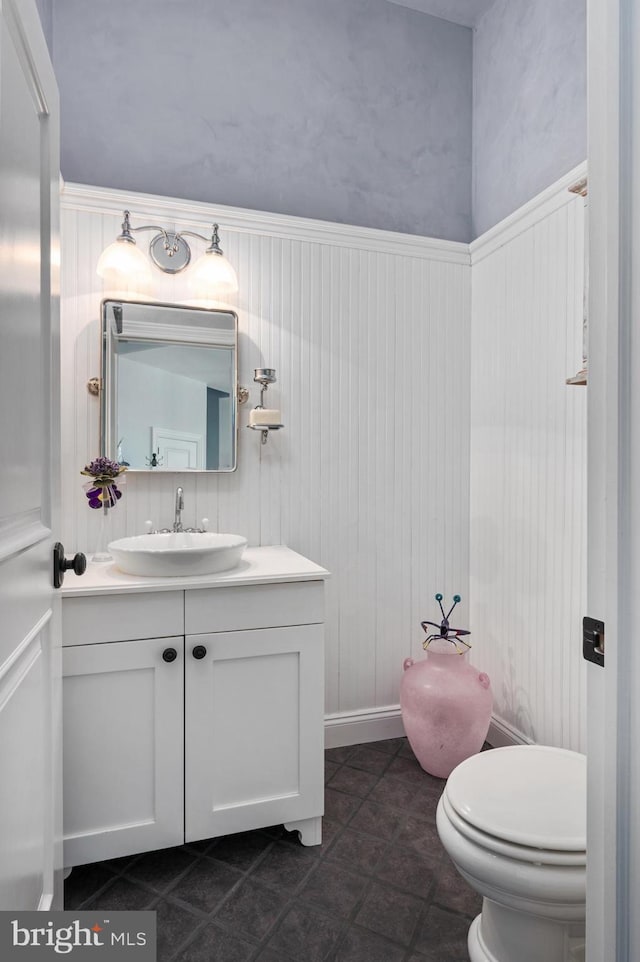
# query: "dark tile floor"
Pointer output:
{"type": "Point", "coordinates": [380, 888]}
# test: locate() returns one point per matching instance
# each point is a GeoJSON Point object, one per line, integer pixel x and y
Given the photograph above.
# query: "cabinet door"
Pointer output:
{"type": "Point", "coordinates": [123, 749]}
{"type": "Point", "coordinates": [254, 729]}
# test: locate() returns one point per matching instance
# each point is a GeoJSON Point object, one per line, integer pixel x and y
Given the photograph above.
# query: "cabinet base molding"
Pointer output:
{"type": "Point", "coordinates": [309, 830]}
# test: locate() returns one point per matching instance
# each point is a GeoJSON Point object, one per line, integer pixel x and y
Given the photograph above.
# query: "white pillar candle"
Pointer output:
{"type": "Point", "coordinates": [259, 416]}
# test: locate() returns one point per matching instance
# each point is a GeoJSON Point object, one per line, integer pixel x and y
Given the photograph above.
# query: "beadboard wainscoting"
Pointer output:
{"type": "Point", "coordinates": [369, 334]}
{"type": "Point", "coordinates": [528, 469]}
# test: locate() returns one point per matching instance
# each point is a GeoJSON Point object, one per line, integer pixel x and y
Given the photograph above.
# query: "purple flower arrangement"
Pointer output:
{"type": "Point", "coordinates": [102, 491]}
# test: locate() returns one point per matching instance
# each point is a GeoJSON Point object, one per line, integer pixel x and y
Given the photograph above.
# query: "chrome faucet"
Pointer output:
{"type": "Point", "coordinates": [177, 521]}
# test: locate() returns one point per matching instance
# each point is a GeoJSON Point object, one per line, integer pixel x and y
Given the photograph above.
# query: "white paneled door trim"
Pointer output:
{"type": "Point", "coordinates": [537, 209]}
{"type": "Point", "coordinates": [18, 652]}
{"type": "Point", "coordinates": [21, 531]}
{"type": "Point", "coordinates": [103, 200]}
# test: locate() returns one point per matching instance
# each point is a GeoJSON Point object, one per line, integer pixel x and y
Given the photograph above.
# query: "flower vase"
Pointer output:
{"type": "Point", "coordinates": [101, 554]}
{"type": "Point", "coordinates": [446, 708]}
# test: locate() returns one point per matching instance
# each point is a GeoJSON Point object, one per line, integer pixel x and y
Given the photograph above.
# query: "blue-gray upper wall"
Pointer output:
{"type": "Point", "coordinates": [45, 10]}
{"type": "Point", "coordinates": [353, 111]}
{"type": "Point", "coordinates": [530, 102]}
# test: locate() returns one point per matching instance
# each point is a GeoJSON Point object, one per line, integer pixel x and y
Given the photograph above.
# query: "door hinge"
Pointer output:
{"type": "Point", "coordinates": [593, 641]}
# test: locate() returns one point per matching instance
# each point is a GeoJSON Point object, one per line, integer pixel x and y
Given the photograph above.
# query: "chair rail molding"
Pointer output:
{"type": "Point", "coordinates": [538, 208]}
{"type": "Point", "coordinates": [105, 200]}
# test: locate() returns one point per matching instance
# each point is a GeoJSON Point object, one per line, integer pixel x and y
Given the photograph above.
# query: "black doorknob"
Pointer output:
{"type": "Point", "coordinates": [169, 654]}
{"type": "Point", "coordinates": [199, 652]}
{"type": "Point", "coordinates": [61, 564]}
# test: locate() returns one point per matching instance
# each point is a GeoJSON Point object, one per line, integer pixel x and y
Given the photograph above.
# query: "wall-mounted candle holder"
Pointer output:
{"type": "Point", "coordinates": [261, 418]}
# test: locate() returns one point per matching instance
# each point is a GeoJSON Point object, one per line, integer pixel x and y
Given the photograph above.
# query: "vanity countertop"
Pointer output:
{"type": "Point", "coordinates": [269, 565]}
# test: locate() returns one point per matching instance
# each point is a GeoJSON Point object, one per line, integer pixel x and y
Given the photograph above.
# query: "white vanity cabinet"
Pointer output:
{"type": "Point", "coordinates": [173, 736]}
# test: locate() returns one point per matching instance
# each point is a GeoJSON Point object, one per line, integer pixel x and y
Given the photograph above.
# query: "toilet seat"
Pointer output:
{"type": "Point", "coordinates": [520, 853]}
{"type": "Point", "coordinates": [524, 799]}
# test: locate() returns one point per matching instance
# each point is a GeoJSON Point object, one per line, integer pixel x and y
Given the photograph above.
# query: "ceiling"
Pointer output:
{"type": "Point", "coordinates": [466, 12]}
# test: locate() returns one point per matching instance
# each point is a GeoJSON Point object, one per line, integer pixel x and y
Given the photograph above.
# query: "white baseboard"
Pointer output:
{"type": "Point", "coordinates": [370, 725]}
{"type": "Point", "coordinates": [378, 724]}
{"type": "Point", "coordinates": [501, 734]}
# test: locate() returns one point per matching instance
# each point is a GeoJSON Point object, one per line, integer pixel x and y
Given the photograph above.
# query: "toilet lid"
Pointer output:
{"type": "Point", "coordinates": [531, 795]}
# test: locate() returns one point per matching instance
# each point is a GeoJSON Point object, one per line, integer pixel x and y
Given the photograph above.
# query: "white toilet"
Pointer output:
{"type": "Point", "coordinates": [513, 821]}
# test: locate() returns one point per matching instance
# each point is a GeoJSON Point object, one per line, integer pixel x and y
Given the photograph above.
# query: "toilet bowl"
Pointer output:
{"type": "Point", "coordinates": [513, 822]}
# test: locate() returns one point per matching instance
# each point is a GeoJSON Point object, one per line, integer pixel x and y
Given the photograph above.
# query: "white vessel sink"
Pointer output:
{"type": "Point", "coordinates": [172, 554]}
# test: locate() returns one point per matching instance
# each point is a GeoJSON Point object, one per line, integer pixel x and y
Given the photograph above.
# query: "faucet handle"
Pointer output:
{"type": "Point", "coordinates": [148, 527]}
{"type": "Point", "coordinates": [205, 524]}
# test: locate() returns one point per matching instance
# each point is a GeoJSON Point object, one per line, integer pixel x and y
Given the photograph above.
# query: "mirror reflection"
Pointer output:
{"type": "Point", "coordinates": [169, 377]}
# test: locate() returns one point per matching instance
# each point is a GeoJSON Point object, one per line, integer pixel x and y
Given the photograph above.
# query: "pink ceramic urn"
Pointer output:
{"type": "Point", "coordinates": [446, 702]}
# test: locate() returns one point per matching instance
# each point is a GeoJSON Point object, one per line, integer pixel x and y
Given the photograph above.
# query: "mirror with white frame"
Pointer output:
{"type": "Point", "coordinates": [169, 386]}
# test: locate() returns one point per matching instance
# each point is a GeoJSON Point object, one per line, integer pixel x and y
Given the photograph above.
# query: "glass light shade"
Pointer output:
{"type": "Point", "coordinates": [212, 274]}
{"type": "Point", "coordinates": [121, 262]}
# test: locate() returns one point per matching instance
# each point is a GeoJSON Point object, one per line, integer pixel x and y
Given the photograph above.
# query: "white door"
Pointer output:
{"type": "Point", "coordinates": [123, 748]}
{"type": "Point", "coordinates": [30, 801]}
{"type": "Point", "coordinates": [177, 450]}
{"type": "Point", "coordinates": [613, 692]}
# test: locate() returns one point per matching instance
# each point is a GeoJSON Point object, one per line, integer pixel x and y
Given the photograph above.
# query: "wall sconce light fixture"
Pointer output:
{"type": "Point", "coordinates": [210, 275]}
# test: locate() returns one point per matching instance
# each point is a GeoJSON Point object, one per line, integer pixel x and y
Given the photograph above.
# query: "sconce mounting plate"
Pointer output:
{"type": "Point", "coordinates": [170, 252]}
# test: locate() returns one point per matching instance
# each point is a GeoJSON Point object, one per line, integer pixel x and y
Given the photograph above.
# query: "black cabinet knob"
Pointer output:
{"type": "Point", "coordinates": [169, 654]}
{"type": "Point", "coordinates": [199, 652]}
{"type": "Point", "coordinates": [61, 564]}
